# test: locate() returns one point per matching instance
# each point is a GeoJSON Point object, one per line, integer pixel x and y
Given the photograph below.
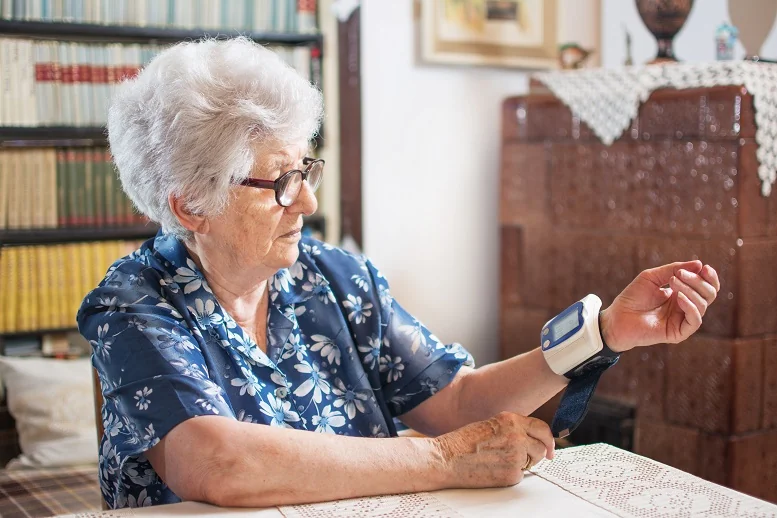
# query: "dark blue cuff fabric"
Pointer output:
{"type": "Point", "coordinates": [576, 399]}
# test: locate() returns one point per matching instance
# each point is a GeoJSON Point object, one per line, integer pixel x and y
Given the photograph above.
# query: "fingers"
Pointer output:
{"type": "Point", "coordinates": [698, 300]}
{"type": "Point", "coordinates": [536, 451]}
{"type": "Point", "coordinates": [692, 320]}
{"type": "Point", "coordinates": [540, 431]}
{"type": "Point", "coordinates": [699, 284]}
{"type": "Point", "coordinates": [661, 274]}
{"type": "Point", "coordinates": [528, 428]}
{"type": "Point", "coordinates": [709, 274]}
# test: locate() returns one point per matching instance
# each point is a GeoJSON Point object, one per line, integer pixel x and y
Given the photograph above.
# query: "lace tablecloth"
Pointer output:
{"type": "Point", "coordinates": [607, 100]}
{"type": "Point", "coordinates": [636, 487]}
{"type": "Point", "coordinates": [587, 481]}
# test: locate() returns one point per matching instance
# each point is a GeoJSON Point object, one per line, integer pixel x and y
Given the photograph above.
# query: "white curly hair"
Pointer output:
{"type": "Point", "coordinates": [192, 120]}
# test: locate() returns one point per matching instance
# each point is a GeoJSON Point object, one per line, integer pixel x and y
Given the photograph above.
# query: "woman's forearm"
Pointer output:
{"type": "Point", "coordinates": [249, 465]}
{"type": "Point", "coordinates": [520, 384]}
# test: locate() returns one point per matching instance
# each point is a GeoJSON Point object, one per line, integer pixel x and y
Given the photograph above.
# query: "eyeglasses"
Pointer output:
{"type": "Point", "coordinates": [289, 185]}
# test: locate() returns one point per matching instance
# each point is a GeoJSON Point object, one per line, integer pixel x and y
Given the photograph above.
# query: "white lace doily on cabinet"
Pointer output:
{"type": "Point", "coordinates": [607, 100]}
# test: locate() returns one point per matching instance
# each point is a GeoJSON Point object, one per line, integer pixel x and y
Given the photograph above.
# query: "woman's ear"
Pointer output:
{"type": "Point", "coordinates": [190, 221]}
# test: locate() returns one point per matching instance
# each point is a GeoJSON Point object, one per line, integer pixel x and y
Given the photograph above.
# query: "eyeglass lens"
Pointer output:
{"type": "Point", "coordinates": [292, 185]}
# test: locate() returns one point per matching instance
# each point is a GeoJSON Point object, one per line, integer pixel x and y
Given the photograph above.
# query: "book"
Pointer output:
{"type": "Point", "coordinates": [22, 346]}
{"type": "Point", "coordinates": [49, 200]}
{"type": "Point", "coordinates": [87, 159]}
{"type": "Point", "coordinates": [16, 85]}
{"type": "Point", "coordinates": [24, 288]}
{"type": "Point", "coordinates": [306, 16]}
{"type": "Point", "coordinates": [43, 275]}
{"type": "Point", "coordinates": [42, 287]}
{"type": "Point", "coordinates": [98, 187]}
{"type": "Point", "coordinates": [5, 179]}
{"type": "Point", "coordinates": [42, 73]}
{"type": "Point", "coordinates": [5, 289]}
{"type": "Point", "coordinates": [55, 344]}
{"type": "Point", "coordinates": [41, 278]}
{"type": "Point", "coordinates": [59, 298]}
{"type": "Point", "coordinates": [73, 213]}
{"type": "Point", "coordinates": [28, 115]}
{"type": "Point", "coordinates": [110, 194]}
{"type": "Point", "coordinates": [36, 187]}
{"type": "Point", "coordinates": [6, 81]}
{"type": "Point", "coordinates": [53, 83]}
{"type": "Point", "coordinates": [13, 167]}
{"type": "Point", "coordinates": [11, 255]}
{"type": "Point", "coordinates": [62, 186]}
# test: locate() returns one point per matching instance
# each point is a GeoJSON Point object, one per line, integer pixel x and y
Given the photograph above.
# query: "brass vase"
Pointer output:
{"type": "Point", "coordinates": [664, 19]}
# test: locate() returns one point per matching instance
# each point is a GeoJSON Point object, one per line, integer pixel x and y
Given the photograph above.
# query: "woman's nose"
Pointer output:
{"type": "Point", "coordinates": [306, 202]}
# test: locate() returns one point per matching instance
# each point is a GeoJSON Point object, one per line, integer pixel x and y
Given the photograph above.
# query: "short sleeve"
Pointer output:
{"type": "Point", "coordinates": [151, 368]}
{"type": "Point", "coordinates": [414, 364]}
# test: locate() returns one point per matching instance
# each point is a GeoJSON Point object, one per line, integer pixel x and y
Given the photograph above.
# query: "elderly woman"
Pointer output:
{"type": "Point", "coordinates": [229, 315]}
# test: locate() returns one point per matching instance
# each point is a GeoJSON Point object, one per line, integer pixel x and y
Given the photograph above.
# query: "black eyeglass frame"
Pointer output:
{"type": "Point", "coordinates": [277, 185]}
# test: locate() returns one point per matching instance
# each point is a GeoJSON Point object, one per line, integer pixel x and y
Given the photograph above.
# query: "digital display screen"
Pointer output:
{"type": "Point", "coordinates": [565, 325]}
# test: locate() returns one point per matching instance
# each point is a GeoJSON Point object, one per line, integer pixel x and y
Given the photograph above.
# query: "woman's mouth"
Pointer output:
{"type": "Point", "coordinates": [293, 233]}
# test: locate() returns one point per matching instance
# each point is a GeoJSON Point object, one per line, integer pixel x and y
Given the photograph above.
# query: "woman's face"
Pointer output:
{"type": "Point", "coordinates": [254, 230]}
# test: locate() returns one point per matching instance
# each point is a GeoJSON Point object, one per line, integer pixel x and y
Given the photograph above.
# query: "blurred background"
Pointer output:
{"type": "Point", "coordinates": [497, 159]}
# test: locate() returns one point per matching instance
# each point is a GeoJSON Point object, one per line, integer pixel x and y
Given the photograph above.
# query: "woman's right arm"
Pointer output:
{"type": "Point", "coordinates": [227, 462]}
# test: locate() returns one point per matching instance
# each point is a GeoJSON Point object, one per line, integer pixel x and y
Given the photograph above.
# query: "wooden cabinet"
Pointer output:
{"type": "Point", "coordinates": [578, 217]}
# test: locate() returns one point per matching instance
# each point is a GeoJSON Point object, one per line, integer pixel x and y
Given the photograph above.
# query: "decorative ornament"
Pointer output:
{"type": "Point", "coordinates": [664, 19]}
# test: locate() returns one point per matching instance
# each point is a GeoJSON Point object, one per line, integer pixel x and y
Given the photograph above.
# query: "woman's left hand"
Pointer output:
{"type": "Point", "coordinates": [662, 305]}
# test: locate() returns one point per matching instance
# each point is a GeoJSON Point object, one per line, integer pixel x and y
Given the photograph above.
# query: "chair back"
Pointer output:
{"type": "Point", "coordinates": [98, 417]}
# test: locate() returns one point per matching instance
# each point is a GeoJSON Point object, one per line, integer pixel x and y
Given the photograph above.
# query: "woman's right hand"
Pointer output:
{"type": "Point", "coordinates": [494, 453]}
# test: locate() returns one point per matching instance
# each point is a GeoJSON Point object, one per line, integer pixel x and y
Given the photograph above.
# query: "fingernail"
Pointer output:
{"type": "Point", "coordinates": [683, 274]}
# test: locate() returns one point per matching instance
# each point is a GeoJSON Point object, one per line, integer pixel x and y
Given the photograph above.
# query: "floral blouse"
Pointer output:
{"type": "Point", "coordinates": [343, 356]}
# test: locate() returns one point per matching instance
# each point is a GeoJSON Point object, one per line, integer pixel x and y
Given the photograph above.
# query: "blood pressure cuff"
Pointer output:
{"type": "Point", "coordinates": [577, 396]}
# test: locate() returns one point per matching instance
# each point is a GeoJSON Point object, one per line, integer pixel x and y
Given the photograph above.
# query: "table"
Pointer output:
{"type": "Point", "coordinates": [587, 481]}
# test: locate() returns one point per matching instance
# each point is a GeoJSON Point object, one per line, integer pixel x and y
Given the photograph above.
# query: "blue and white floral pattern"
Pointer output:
{"type": "Point", "coordinates": [342, 356]}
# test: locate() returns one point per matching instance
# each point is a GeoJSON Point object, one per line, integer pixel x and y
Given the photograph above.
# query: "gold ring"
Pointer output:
{"type": "Point", "coordinates": [528, 465]}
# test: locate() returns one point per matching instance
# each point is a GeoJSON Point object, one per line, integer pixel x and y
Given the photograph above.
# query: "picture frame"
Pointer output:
{"type": "Point", "coordinates": [506, 33]}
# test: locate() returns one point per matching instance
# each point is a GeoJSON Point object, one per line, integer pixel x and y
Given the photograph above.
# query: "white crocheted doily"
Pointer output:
{"type": "Point", "coordinates": [609, 99]}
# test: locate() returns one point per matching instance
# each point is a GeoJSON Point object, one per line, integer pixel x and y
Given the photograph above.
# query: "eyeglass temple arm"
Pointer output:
{"type": "Point", "coordinates": [268, 184]}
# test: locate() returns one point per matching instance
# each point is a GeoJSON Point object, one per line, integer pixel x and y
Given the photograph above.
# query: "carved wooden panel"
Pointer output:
{"type": "Point", "coordinates": [681, 183]}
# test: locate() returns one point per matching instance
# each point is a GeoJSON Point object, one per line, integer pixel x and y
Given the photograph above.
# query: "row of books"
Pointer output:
{"type": "Point", "coordinates": [51, 83]}
{"type": "Point", "coordinates": [58, 188]}
{"type": "Point", "coordinates": [42, 287]}
{"type": "Point", "coordinates": [56, 345]}
{"type": "Point", "coordinates": [254, 15]}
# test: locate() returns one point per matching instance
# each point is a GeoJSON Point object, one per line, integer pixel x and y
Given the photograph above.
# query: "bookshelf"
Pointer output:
{"type": "Point", "coordinates": [43, 134]}
{"type": "Point", "coordinates": [66, 136]}
{"type": "Point", "coordinates": [130, 34]}
{"type": "Point", "coordinates": [34, 334]}
{"type": "Point", "coordinates": [52, 136]}
{"type": "Point", "coordinates": [44, 236]}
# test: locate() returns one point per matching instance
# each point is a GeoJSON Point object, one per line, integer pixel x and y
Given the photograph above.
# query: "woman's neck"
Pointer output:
{"type": "Point", "coordinates": [242, 293]}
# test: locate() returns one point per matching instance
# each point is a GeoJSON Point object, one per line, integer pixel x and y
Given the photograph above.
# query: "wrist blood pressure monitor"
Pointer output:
{"type": "Point", "coordinates": [572, 345]}
{"type": "Point", "coordinates": [572, 341]}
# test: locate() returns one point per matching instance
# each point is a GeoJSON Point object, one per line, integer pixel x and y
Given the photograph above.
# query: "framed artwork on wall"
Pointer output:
{"type": "Point", "coordinates": [506, 33]}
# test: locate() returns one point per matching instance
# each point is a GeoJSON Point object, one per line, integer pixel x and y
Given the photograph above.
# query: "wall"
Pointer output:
{"type": "Point", "coordinates": [431, 142]}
